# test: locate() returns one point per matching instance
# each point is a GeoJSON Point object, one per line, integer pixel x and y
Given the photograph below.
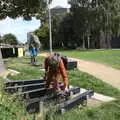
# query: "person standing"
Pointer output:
{"type": "Point", "coordinates": [33, 54]}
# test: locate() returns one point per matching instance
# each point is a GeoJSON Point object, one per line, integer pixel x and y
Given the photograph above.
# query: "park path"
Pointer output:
{"type": "Point", "coordinates": [105, 73]}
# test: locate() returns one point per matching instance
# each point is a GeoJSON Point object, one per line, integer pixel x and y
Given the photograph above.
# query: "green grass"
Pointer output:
{"type": "Point", "coordinates": [107, 111]}
{"type": "Point", "coordinates": [27, 71]}
{"type": "Point", "coordinates": [11, 108]}
{"type": "Point", "coordinates": [107, 57]}
{"type": "Point", "coordinates": [84, 80]}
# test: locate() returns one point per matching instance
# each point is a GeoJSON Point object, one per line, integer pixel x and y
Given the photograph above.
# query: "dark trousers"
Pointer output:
{"type": "Point", "coordinates": [33, 60]}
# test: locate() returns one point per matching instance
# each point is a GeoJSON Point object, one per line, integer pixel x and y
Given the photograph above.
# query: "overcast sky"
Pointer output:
{"type": "Point", "coordinates": [19, 27]}
{"type": "Point", "coordinates": [63, 3]}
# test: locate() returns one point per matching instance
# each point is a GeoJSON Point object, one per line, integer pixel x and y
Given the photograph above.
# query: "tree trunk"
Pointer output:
{"type": "Point", "coordinates": [42, 22]}
{"type": "Point", "coordinates": [88, 39]}
{"type": "Point", "coordinates": [102, 39]}
{"type": "Point", "coordinates": [83, 42]}
{"type": "Point", "coordinates": [108, 39]}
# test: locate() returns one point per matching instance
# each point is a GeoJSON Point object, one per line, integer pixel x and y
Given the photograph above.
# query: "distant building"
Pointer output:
{"type": "Point", "coordinates": [7, 50]}
{"type": "Point", "coordinates": [58, 11]}
{"type": "Point", "coordinates": [3, 45]}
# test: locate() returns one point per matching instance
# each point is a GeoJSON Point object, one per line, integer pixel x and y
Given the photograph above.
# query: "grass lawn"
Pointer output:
{"type": "Point", "coordinates": [107, 111]}
{"type": "Point", "coordinates": [107, 57]}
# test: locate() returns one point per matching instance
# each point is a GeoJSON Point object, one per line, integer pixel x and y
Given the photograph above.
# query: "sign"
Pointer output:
{"type": "Point", "coordinates": [20, 52]}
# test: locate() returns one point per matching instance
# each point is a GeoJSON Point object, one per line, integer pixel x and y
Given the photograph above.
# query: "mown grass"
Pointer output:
{"type": "Point", "coordinates": [27, 71]}
{"type": "Point", "coordinates": [84, 80]}
{"type": "Point", "coordinates": [108, 111]}
{"type": "Point", "coordinates": [107, 57]}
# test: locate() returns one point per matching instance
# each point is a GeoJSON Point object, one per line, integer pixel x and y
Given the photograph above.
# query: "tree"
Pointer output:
{"type": "Point", "coordinates": [43, 34]}
{"type": "Point", "coordinates": [82, 16]}
{"type": "Point", "coordinates": [55, 26]}
{"type": "Point", "coordinates": [96, 18]}
{"type": "Point", "coordinates": [108, 26]}
{"type": "Point", "coordinates": [23, 8]}
{"type": "Point", "coordinates": [66, 36]}
{"type": "Point", "coordinates": [9, 39]}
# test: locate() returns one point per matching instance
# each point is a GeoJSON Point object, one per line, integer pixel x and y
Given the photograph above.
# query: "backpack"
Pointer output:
{"type": "Point", "coordinates": [65, 61]}
{"type": "Point", "coordinates": [53, 61]}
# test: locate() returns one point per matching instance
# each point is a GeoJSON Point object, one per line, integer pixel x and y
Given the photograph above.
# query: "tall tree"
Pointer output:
{"type": "Point", "coordinates": [43, 34]}
{"type": "Point", "coordinates": [23, 8]}
{"type": "Point", "coordinates": [66, 35]}
{"type": "Point", "coordinates": [80, 10]}
{"type": "Point", "coordinates": [96, 16]}
{"type": "Point", "coordinates": [9, 39]}
{"type": "Point", "coordinates": [107, 13]}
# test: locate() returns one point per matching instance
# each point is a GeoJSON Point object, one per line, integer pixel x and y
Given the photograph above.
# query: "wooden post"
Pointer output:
{"type": "Point", "coordinates": [34, 117]}
{"type": "Point", "coordinates": [41, 111]}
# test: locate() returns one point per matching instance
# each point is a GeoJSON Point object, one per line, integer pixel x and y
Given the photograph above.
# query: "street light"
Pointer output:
{"type": "Point", "coordinates": [50, 28]}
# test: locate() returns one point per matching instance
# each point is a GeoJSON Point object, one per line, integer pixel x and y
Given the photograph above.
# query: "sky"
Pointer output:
{"type": "Point", "coordinates": [63, 3]}
{"type": "Point", "coordinates": [20, 27]}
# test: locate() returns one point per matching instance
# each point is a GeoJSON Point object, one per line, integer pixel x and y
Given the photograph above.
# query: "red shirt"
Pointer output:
{"type": "Point", "coordinates": [60, 69]}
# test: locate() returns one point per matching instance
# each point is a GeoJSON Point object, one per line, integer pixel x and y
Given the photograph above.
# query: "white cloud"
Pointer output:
{"type": "Point", "coordinates": [18, 27]}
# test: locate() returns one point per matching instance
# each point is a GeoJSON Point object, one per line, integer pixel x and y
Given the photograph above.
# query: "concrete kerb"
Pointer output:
{"type": "Point", "coordinates": [9, 71]}
{"type": "Point", "coordinates": [13, 72]}
{"type": "Point", "coordinates": [99, 97]}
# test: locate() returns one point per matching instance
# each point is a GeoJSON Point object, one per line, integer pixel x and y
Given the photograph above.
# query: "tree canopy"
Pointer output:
{"type": "Point", "coordinates": [97, 18]}
{"type": "Point", "coordinates": [9, 39]}
{"type": "Point", "coordinates": [43, 34]}
{"type": "Point", "coordinates": [23, 8]}
{"type": "Point", "coordinates": [90, 24]}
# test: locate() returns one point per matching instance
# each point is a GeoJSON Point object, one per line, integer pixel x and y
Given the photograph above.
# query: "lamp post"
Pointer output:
{"type": "Point", "coordinates": [50, 28]}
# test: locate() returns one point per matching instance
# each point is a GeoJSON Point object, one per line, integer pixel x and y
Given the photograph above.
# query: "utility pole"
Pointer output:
{"type": "Point", "coordinates": [50, 28]}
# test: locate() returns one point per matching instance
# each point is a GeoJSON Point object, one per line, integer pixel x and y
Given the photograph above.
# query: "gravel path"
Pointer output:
{"type": "Point", "coordinates": [105, 73]}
